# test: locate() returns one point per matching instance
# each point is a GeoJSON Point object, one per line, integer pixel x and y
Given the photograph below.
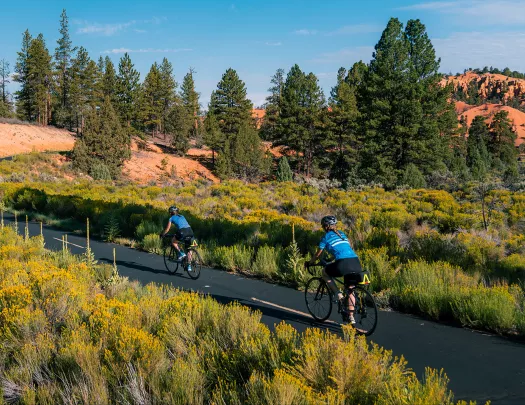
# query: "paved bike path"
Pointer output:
{"type": "Point", "coordinates": [480, 366]}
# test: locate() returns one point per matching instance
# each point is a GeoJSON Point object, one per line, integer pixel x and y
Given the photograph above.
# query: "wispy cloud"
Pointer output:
{"type": "Point", "coordinates": [146, 50]}
{"type": "Point", "coordinates": [356, 29]}
{"type": "Point", "coordinates": [139, 31]}
{"type": "Point", "coordinates": [304, 31]}
{"type": "Point", "coordinates": [114, 28]}
{"type": "Point", "coordinates": [270, 43]}
{"type": "Point", "coordinates": [494, 12]}
{"type": "Point", "coordinates": [477, 49]}
{"type": "Point", "coordinates": [346, 56]}
{"type": "Point", "coordinates": [105, 29]}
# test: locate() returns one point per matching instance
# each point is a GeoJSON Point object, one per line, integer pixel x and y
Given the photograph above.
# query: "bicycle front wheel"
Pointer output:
{"type": "Point", "coordinates": [318, 299]}
{"type": "Point", "coordinates": [196, 264]}
{"type": "Point", "coordinates": [170, 259]}
{"type": "Point", "coordinates": [365, 312]}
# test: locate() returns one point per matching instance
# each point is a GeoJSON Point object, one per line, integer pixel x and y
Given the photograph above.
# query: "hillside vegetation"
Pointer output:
{"type": "Point", "coordinates": [452, 257]}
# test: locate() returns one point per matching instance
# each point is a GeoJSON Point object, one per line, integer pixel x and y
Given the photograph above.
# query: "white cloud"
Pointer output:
{"type": "Point", "coordinates": [305, 32]}
{"type": "Point", "coordinates": [356, 29]}
{"type": "Point", "coordinates": [105, 29]}
{"type": "Point", "coordinates": [112, 29]}
{"type": "Point", "coordinates": [475, 49]}
{"type": "Point", "coordinates": [476, 12]}
{"type": "Point", "coordinates": [270, 43]}
{"type": "Point", "coordinates": [139, 31]}
{"type": "Point", "coordinates": [346, 56]}
{"type": "Point", "coordinates": [145, 50]}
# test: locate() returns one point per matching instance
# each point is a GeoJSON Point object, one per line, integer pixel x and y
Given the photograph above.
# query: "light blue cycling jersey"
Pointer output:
{"type": "Point", "coordinates": [337, 246]}
{"type": "Point", "coordinates": [179, 221]}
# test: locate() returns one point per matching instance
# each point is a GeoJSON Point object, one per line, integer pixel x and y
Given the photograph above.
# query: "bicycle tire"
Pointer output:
{"type": "Point", "coordinates": [170, 259]}
{"type": "Point", "coordinates": [196, 264]}
{"type": "Point", "coordinates": [365, 312]}
{"type": "Point", "coordinates": [318, 299]}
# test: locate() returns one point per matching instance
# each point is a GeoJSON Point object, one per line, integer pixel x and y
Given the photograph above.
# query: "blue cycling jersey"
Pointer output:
{"type": "Point", "coordinates": [337, 246]}
{"type": "Point", "coordinates": [179, 221]}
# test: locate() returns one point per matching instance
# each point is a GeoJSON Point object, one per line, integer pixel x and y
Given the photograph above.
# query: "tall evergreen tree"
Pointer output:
{"type": "Point", "coordinates": [178, 126]}
{"type": "Point", "coordinates": [402, 106]}
{"type": "Point", "coordinates": [269, 128]}
{"type": "Point", "coordinates": [478, 158]}
{"type": "Point", "coordinates": [213, 137]}
{"type": "Point", "coordinates": [229, 104]}
{"type": "Point", "coordinates": [23, 95]}
{"type": "Point", "coordinates": [502, 141]}
{"type": "Point", "coordinates": [344, 117]}
{"type": "Point", "coordinates": [40, 78]}
{"type": "Point", "coordinates": [102, 141]}
{"type": "Point", "coordinates": [109, 81]}
{"type": "Point", "coordinates": [300, 123]}
{"type": "Point", "coordinates": [63, 58]}
{"type": "Point", "coordinates": [247, 157]}
{"type": "Point", "coordinates": [128, 86]}
{"type": "Point", "coordinates": [4, 80]}
{"type": "Point", "coordinates": [190, 101]}
{"type": "Point", "coordinates": [82, 90]}
{"type": "Point", "coordinates": [284, 172]}
{"type": "Point", "coordinates": [168, 95]}
{"type": "Point", "coordinates": [151, 106]}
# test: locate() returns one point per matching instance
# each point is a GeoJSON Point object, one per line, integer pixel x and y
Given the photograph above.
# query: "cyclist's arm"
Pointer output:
{"type": "Point", "coordinates": [316, 256]}
{"type": "Point", "coordinates": [167, 229]}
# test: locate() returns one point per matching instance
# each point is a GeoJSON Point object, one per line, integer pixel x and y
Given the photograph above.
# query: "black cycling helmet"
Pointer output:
{"type": "Point", "coordinates": [329, 220]}
{"type": "Point", "coordinates": [173, 210]}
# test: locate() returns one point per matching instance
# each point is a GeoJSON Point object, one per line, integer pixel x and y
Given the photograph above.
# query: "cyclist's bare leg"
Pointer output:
{"type": "Point", "coordinates": [175, 244]}
{"type": "Point", "coordinates": [350, 300]}
{"type": "Point", "coordinates": [330, 282]}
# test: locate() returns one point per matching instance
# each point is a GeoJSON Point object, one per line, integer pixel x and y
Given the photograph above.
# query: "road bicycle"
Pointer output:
{"type": "Point", "coordinates": [172, 261]}
{"type": "Point", "coordinates": [320, 299]}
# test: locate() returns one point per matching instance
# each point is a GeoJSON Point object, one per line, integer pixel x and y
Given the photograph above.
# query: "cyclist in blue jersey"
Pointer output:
{"type": "Point", "coordinates": [183, 232]}
{"type": "Point", "coordinates": [346, 263]}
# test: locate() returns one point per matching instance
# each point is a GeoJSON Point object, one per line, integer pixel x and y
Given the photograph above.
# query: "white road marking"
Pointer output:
{"type": "Point", "coordinates": [291, 310]}
{"type": "Point", "coordinates": [69, 243]}
{"type": "Point", "coordinates": [206, 286]}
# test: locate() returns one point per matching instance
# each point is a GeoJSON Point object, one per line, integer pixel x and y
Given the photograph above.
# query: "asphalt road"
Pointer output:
{"type": "Point", "coordinates": [480, 366]}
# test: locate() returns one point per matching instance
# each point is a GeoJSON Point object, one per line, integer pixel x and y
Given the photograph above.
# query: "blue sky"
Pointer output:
{"type": "Point", "coordinates": [258, 37]}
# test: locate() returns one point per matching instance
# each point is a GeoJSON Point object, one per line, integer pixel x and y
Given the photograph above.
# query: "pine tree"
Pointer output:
{"type": "Point", "coordinates": [402, 106]}
{"type": "Point", "coordinates": [128, 85]}
{"type": "Point", "coordinates": [284, 173]}
{"type": "Point", "coordinates": [63, 59]}
{"type": "Point", "coordinates": [179, 125]}
{"type": "Point", "coordinates": [4, 80]}
{"type": "Point", "coordinates": [344, 117]}
{"type": "Point", "coordinates": [247, 157]}
{"type": "Point", "coordinates": [39, 71]}
{"type": "Point", "coordinates": [477, 156]}
{"type": "Point", "coordinates": [502, 141]}
{"type": "Point", "coordinates": [190, 101]}
{"type": "Point", "coordinates": [103, 141]}
{"type": "Point", "coordinates": [109, 81]}
{"type": "Point", "coordinates": [229, 104]}
{"type": "Point", "coordinates": [213, 137]}
{"type": "Point", "coordinates": [23, 95]}
{"type": "Point", "coordinates": [168, 95]}
{"type": "Point", "coordinates": [269, 128]}
{"type": "Point", "coordinates": [224, 163]}
{"type": "Point", "coordinates": [151, 100]}
{"type": "Point", "coordinates": [413, 177]}
{"type": "Point", "coordinates": [301, 123]}
{"type": "Point", "coordinates": [82, 90]}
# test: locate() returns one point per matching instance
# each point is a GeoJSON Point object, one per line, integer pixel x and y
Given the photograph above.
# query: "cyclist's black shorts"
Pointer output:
{"type": "Point", "coordinates": [184, 234]}
{"type": "Point", "coordinates": [350, 269]}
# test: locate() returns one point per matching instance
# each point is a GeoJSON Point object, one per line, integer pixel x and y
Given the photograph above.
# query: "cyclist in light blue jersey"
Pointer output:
{"type": "Point", "coordinates": [183, 232]}
{"type": "Point", "coordinates": [346, 263]}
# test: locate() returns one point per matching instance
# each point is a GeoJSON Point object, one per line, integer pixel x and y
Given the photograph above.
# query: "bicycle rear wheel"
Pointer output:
{"type": "Point", "coordinates": [365, 312]}
{"type": "Point", "coordinates": [318, 299]}
{"type": "Point", "coordinates": [170, 259]}
{"type": "Point", "coordinates": [196, 264]}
